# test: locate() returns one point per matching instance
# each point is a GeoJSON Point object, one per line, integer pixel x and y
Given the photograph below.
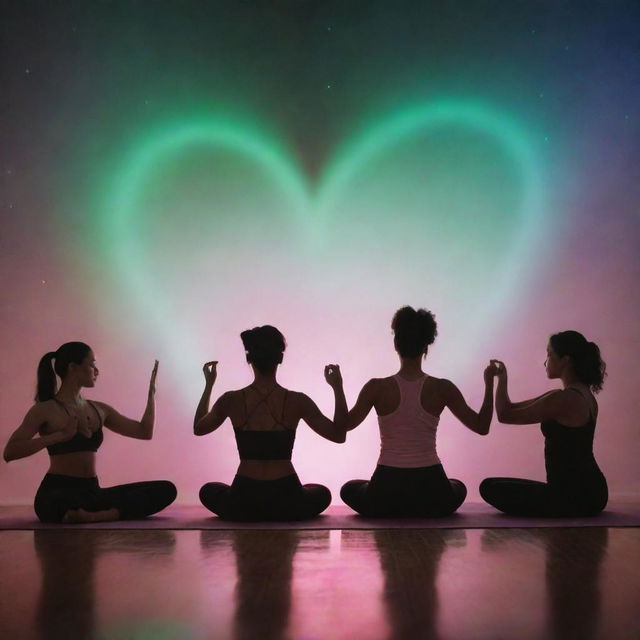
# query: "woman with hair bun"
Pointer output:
{"type": "Point", "coordinates": [265, 416]}
{"type": "Point", "coordinates": [575, 485]}
{"type": "Point", "coordinates": [70, 428]}
{"type": "Point", "coordinates": [409, 480]}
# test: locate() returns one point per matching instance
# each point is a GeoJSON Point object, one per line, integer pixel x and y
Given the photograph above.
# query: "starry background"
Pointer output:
{"type": "Point", "coordinates": [175, 172]}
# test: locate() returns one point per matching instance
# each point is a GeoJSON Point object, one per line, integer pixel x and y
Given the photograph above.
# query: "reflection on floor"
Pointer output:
{"type": "Point", "coordinates": [409, 584]}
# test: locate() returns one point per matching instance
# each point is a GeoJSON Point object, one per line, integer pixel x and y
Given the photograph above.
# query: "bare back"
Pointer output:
{"type": "Point", "coordinates": [252, 410]}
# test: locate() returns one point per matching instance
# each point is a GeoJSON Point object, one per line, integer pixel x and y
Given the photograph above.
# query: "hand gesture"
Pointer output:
{"type": "Point", "coordinates": [210, 372]}
{"type": "Point", "coordinates": [490, 372]}
{"type": "Point", "coordinates": [333, 376]}
{"type": "Point", "coordinates": [152, 381]}
{"type": "Point", "coordinates": [500, 369]}
{"type": "Point", "coordinates": [67, 432]}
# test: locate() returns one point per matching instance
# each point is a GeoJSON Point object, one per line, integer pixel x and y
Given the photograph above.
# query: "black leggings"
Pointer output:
{"type": "Point", "coordinates": [252, 500]}
{"type": "Point", "coordinates": [518, 497]}
{"type": "Point", "coordinates": [58, 494]}
{"type": "Point", "coordinates": [395, 492]}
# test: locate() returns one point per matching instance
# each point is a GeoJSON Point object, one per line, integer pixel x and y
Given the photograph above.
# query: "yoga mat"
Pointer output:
{"type": "Point", "coordinates": [469, 516]}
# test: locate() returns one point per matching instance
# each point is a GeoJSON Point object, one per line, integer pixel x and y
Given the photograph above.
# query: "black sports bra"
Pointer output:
{"type": "Point", "coordinates": [78, 442]}
{"type": "Point", "coordinates": [265, 444]}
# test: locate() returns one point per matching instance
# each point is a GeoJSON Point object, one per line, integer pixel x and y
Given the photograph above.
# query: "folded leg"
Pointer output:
{"type": "Point", "coordinates": [139, 499]}
{"type": "Point", "coordinates": [215, 497]}
{"type": "Point", "coordinates": [519, 497]}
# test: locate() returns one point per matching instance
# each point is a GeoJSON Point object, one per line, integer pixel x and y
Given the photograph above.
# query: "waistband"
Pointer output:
{"type": "Point", "coordinates": [243, 482]}
{"type": "Point", "coordinates": [60, 481]}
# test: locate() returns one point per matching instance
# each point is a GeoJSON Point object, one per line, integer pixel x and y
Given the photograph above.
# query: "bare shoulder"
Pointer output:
{"type": "Point", "coordinates": [297, 398]}
{"type": "Point", "coordinates": [47, 410]}
{"type": "Point", "coordinates": [103, 408]}
{"type": "Point", "coordinates": [231, 402]}
{"type": "Point", "coordinates": [377, 384]}
{"type": "Point", "coordinates": [442, 386]}
{"type": "Point", "coordinates": [37, 417]}
{"type": "Point", "coordinates": [231, 396]}
{"type": "Point", "coordinates": [569, 397]}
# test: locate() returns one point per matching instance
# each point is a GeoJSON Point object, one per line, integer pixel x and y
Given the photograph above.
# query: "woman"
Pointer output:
{"type": "Point", "coordinates": [409, 480]}
{"type": "Point", "coordinates": [70, 428]}
{"type": "Point", "coordinates": [575, 485]}
{"type": "Point", "coordinates": [264, 416]}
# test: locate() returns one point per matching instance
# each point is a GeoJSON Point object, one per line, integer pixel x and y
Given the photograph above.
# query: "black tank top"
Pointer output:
{"type": "Point", "coordinates": [568, 451]}
{"type": "Point", "coordinates": [78, 442]}
{"type": "Point", "coordinates": [275, 443]}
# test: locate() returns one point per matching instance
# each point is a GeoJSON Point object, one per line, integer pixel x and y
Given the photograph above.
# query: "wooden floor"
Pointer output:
{"type": "Point", "coordinates": [553, 583]}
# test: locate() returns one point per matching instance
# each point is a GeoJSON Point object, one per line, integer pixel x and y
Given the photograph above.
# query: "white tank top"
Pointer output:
{"type": "Point", "coordinates": [408, 435]}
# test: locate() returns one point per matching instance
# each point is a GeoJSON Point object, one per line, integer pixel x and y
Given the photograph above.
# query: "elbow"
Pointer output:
{"type": "Point", "coordinates": [506, 417]}
{"type": "Point", "coordinates": [480, 428]}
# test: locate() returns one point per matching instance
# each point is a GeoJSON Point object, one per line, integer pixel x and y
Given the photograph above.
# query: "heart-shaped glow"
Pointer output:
{"type": "Point", "coordinates": [310, 214]}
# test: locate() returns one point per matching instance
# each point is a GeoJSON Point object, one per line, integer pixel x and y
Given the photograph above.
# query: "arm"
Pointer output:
{"type": "Point", "coordinates": [363, 405]}
{"type": "Point", "coordinates": [319, 422]}
{"type": "Point", "coordinates": [206, 421]}
{"type": "Point", "coordinates": [545, 407]}
{"type": "Point", "coordinates": [23, 442]}
{"type": "Point", "coordinates": [141, 429]}
{"type": "Point", "coordinates": [333, 376]}
{"type": "Point", "coordinates": [334, 431]}
{"type": "Point", "coordinates": [479, 422]}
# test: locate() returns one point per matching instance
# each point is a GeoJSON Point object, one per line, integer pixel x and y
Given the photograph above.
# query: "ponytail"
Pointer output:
{"type": "Point", "coordinates": [69, 352]}
{"type": "Point", "coordinates": [585, 357]}
{"type": "Point", "coordinates": [47, 385]}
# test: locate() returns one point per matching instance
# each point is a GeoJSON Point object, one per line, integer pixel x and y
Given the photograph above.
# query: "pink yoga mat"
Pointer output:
{"type": "Point", "coordinates": [469, 516]}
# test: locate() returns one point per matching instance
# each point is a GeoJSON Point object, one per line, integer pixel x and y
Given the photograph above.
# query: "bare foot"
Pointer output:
{"type": "Point", "coordinates": [76, 516]}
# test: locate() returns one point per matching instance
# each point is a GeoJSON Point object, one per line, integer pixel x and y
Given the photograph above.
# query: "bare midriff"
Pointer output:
{"type": "Point", "coordinates": [265, 469]}
{"type": "Point", "coordinates": [79, 464]}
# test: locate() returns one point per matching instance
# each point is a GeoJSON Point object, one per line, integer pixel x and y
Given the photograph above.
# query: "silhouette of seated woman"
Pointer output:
{"type": "Point", "coordinates": [265, 416]}
{"type": "Point", "coordinates": [70, 428]}
{"type": "Point", "coordinates": [575, 485]}
{"type": "Point", "coordinates": [409, 480]}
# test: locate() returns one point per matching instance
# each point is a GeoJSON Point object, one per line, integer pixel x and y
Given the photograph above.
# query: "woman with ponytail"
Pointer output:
{"type": "Point", "coordinates": [70, 428]}
{"type": "Point", "coordinates": [409, 480]}
{"type": "Point", "coordinates": [575, 485]}
{"type": "Point", "coordinates": [265, 416]}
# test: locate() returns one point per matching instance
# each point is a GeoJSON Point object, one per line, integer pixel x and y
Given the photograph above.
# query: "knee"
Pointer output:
{"type": "Point", "coordinates": [487, 489]}
{"type": "Point", "coordinates": [168, 491]}
{"type": "Point", "coordinates": [210, 492]}
{"type": "Point", "coordinates": [321, 494]}
{"type": "Point", "coordinates": [459, 490]}
{"type": "Point", "coordinates": [350, 489]}
{"type": "Point", "coordinates": [52, 508]}
{"type": "Point", "coordinates": [324, 496]}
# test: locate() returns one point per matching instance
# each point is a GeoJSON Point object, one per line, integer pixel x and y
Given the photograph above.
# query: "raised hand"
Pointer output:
{"type": "Point", "coordinates": [210, 372]}
{"type": "Point", "coordinates": [500, 369]}
{"type": "Point", "coordinates": [490, 372]}
{"type": "Point", "coordinates": [332, 375]}
{"type": "Point", "coordinates": [152, 381]}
